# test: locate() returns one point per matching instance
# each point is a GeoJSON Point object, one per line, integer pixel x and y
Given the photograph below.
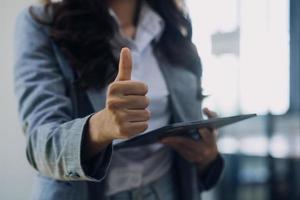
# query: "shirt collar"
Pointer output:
{"type": "Point", "coordinates": [151, 21]}
{"type": "Point", "coordinates": [150, 27]}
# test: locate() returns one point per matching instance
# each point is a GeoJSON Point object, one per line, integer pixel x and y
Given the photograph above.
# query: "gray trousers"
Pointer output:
{"type": "Point", "coordinates": [162, 189]}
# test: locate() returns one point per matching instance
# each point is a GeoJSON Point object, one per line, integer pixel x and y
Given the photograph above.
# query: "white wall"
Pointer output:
{"type": "Point", "coordinates": [15, 173]}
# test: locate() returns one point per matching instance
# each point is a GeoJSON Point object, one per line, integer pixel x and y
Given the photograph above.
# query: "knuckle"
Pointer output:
{"type": "Point", "coordinates": [145, 87]}
{"type": "Point", "coordinates": [146, 101]}
{"type": "Point", "coordinates": [147, 114]}
{"type": "Point", "coordinates": [145, 127]}
{"type": "Point", "coordinates": [114, 88]}
{"type": "Point", "coordinates": [142, 87]}
{"type": "Point", "coordinates": [111, 103]}
{"type": "Point", "coordinates": [133, 133]}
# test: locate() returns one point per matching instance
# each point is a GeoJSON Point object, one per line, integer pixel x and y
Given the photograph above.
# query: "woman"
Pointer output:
{"type": "Point", "coordinates": [78, 95]}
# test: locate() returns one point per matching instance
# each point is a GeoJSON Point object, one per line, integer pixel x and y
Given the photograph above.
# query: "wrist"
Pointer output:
{"type": "Point", "coordinates": [96, 140]}
{"type": "Point", "coordinates": [98, 132]}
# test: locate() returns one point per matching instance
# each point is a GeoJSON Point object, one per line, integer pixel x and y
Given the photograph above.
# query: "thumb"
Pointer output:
{"type": "Point", "coordinates": [209, 113]}
{"type": "Point", "coordinates": [125, 65]}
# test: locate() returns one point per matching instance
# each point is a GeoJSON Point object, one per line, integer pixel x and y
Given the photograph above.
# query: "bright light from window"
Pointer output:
{"type": "Point", "coordinates": [244, 46]}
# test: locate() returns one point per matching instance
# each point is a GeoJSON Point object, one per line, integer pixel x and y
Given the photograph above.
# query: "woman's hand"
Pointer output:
{"type": "Point", "coordinates": [201, 152]}
{"type": "Point", "coordinates": [125, 114]}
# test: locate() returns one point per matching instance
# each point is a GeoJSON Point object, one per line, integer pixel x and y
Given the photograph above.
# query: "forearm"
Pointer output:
{"type": "Point", "coordinates": [56, 151]}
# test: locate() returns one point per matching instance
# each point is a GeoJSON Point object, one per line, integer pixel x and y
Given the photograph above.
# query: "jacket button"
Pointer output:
{"type": "Point", "coordinates": [73, 175]}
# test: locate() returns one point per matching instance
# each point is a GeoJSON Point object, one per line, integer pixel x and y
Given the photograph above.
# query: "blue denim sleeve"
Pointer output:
{"type": "Point", "coordinates": [54, 136]}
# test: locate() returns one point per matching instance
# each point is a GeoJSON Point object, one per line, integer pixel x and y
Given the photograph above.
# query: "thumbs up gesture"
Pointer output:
{"type": "Point", "coordinates": [125, 114]}
{"type": "Point", "coordinates": [127, 102]}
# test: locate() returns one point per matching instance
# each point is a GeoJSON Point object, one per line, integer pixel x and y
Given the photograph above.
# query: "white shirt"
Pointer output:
{"type": "Point", "coordinates": [135, 167]}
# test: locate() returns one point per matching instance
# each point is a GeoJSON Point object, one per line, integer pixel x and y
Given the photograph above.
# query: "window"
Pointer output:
{"type": "Point", "coordinates": [244, 47]}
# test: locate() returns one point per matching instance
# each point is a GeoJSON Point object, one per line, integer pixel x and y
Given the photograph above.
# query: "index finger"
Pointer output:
{"type": "Point", "coordinates": [129, 88]}
{"type": "Point", "coordinates": [208, 135]}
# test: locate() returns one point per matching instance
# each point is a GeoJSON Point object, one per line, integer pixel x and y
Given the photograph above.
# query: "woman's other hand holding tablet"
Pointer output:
{"type": "Point", "coordinates": [201, 152]}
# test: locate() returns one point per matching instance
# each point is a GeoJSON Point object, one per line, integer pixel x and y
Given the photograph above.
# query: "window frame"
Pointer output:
{"type": "Point", "coordinates": [294, 56]}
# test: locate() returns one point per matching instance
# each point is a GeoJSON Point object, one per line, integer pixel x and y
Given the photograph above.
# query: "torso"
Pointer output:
{"type": "Point", "coordinates": [135, 167]}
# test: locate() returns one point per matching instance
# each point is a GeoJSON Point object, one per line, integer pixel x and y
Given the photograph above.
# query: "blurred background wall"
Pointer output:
{"type": "Point", "coordinates": [15, 173]}
{"type": "Point", "coordinates": [250, 51]}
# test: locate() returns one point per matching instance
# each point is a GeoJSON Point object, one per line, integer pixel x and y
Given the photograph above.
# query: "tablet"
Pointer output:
{"type": "Point", "coordinates": [180, 129]}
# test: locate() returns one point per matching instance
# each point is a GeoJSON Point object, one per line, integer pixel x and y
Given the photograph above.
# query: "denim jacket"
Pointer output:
{"type": "Point", "coordinates": [54, 114]}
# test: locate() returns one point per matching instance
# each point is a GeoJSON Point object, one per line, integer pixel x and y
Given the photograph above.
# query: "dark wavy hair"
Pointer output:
{"type": "Point", "coordinates": [82, 29]}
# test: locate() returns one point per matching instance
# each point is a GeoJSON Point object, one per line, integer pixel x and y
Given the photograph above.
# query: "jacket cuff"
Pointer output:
{"type": "Point", "coordinates": [94, 170]}
{"type": "Point", "coordinates": [212, 175]}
